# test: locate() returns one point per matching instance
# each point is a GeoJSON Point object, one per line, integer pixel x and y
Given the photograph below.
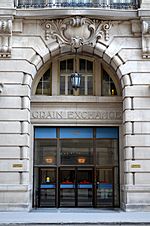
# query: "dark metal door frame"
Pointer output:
{"type": "Point", "coordinates": [76, 169]}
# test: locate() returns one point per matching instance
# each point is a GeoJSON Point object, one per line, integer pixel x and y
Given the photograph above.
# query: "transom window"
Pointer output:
{"type": "Point", "coordinates": [95, 78]}
{"type": "Point", "coordinates": [85, 68]}
{"type": "Point", "coordinates": [44, 85]}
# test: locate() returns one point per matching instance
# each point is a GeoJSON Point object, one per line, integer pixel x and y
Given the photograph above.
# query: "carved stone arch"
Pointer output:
{"type": "Point", "coordinates": [114, 62]}
{"type": "Point", "coordinates": [99, 50]}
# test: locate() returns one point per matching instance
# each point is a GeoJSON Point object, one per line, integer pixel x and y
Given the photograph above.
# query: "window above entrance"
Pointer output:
{"type": "Point", "coordinates": [44, 85]}
{"type": "Point", "coordinates": [96, 78]}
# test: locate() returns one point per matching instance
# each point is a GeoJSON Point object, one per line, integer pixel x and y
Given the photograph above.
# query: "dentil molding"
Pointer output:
{"type": "Point", "coordinates": [76, 31]}
{"type": "Point", "coordinates": [5, 37]}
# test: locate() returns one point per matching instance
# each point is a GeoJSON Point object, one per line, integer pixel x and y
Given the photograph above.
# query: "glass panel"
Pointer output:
{"type": "Point", "coordinates": [82, 65]}
{"type": "Point", "coordinates": [89, 66]}
{"type": "Point", "coordinates": [36, 187]}
{"type": "Point", "coordinates": [45, 152]}
{"type": "Point", "coordinates": [116, 187]}
{"type": "Point", "coordinates": [39, 88]}
{"type": "Point", "coordinates": [47, 187]}
{"type": "Point", "coordinates": [66, 66]}
{"type": "Point", "coordinates": [67, 187]}
{"type": "Point", "coordinates": [70, 65]}
{"type": "Point", "coordinates": [45, 132]}
{"type": "Point", "coordinates": [82, 85]}
{"type": "Point", "coordinates": [62, 85]}
{"type": "Point", "coordinates": [70, 89]}
{"type": "Point", "coordinates": [106, 132]}
{"type": "Point", "coordinates": [44, 86]}
{"type": "Point", "coordinates": [63, 66]}
{"type": "Point", "coordinates": [104, 180]}
{"type": "Point", "coordinates": [90, 85]}
{"type": "Point", "coordinates": [77, 152]}
{"type": "Point", "coordinates": [106, 152]}
{"type": "Point", "coordinates": [108, 86]}
{"type": "Point", "coordinates": [85, 187]}
{"type": "Point", "coordinates": [76, 132]}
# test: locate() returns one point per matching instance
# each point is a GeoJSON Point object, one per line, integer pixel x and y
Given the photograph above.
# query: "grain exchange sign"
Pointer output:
{"type": "Point", "coordinates": [67, 115]}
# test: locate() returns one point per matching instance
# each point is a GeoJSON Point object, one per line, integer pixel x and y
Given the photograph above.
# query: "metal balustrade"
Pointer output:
{"type": "Point", "coordinates": [107, 4]}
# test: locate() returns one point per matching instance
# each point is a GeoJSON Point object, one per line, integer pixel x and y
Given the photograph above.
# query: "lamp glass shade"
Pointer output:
{"type": "Point", "coordinates": [75, 80]}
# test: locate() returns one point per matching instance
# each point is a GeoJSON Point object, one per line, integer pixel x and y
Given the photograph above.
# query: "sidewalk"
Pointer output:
{"type": "Point", "coordinates": [75, 217]}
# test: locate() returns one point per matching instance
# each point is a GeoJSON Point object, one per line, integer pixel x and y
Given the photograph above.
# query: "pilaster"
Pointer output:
{"type": "Point", "coordinates": [7, 4]}
{"type": "Point", "coordinates": [145, 4]}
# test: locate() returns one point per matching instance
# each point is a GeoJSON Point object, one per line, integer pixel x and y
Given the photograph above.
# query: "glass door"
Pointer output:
{"type": "Point", "coordinates": [76, 167]}
{"type": "Point", "coordinates": [84, 187]}
{"type": "Point", "coordinates": [47, 187]}
{"type": "Point", "coordinates": [76, 187]}
{"type": "Point", "coordinates": [67, 187]}
{"type": "Point", "coordinates": [104, 187]}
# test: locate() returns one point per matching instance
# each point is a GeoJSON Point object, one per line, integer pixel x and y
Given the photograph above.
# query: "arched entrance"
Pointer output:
{"type": "Point", "coordinates": [76, 135]}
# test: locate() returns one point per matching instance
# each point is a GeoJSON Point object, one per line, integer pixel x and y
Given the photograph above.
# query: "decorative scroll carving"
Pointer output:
{"type": "Point", "coordinates": [76, 31]}
{"type": "Point", "coordinates": [1, 87]}
{"type": "Point", "coordinates": [5, 37]}
{"type": "Point", "coordinates": [146, 39]}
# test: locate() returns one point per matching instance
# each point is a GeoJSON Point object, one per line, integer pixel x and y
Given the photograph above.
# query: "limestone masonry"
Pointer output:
{"type": "Point", "coordinates": [34, 40]}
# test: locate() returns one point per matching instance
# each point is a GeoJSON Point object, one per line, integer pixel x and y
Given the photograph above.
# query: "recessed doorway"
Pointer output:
{"type": "Point", "coordinates": [76, 167]}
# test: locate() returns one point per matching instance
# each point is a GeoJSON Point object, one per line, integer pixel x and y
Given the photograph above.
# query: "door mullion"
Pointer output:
{"type": "Point", "coordinates": [39, 189]}
{"type": "Point", "coordinates": [57, 194]}
{"type": "Point", "coordinates": [76, 187]}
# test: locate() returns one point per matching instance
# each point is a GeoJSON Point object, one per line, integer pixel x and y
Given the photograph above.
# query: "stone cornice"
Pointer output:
{"type": "Point", "coordinates": [143, 12]}
{"type": "Point", "coordinates": [110, 14]}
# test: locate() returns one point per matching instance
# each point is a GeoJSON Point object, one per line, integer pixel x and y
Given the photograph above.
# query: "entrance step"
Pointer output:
{"type": "Point", "coordinates": [78, 224]}
{"type": "Point", "coordinates": [74, 217]}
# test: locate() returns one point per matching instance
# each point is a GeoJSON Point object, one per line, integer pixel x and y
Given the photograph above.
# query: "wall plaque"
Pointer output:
{"type": "Point", "coordinates": [17, 165]}
{"type": "Point", "coordinates": [136, 166]}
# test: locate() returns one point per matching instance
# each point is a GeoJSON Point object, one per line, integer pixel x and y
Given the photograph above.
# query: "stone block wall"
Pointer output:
{"type": "Point", "coordinates": [18, 68]}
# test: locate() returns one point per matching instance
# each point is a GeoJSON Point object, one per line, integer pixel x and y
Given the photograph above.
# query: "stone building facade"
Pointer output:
{"type": "Point", "coordinates": [110, 46]}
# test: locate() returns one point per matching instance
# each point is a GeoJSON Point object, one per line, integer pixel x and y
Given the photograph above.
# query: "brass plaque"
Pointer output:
{"type": "Point", "coordinates": [136, 166]}
{"type": "Point", "coordinates": [17, 165]}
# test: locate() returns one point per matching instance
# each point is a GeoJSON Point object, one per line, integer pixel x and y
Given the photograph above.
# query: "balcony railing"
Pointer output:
{"type": "Point", "coordinates": [107, 4]}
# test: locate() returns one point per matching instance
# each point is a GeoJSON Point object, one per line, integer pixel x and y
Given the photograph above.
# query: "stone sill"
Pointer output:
{"type": "Point", "coordinates": [17, 188]}
{"type": "Point", "coordinates": [136, 188]}
{"type": "Point", "coordinates": [107, 14]}
{"type": "Point", "coordinates": [76, 99]}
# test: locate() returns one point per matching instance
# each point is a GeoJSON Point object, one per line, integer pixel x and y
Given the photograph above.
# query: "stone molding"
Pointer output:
{"type": "Point", "coordinates": [146, 38]}
{"type": "Point", "coordinates": [5, 37]}
{"type": "Point", "coordinates": [76, 31]}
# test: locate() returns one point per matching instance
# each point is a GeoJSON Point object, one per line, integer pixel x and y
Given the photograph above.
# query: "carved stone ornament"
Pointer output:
{"type": "Point", "coordinates": [5, 37]}
{"type": "Point", "coordinates": [76, 31]}
{"type": "Point", "coordinates": [1, 87]}
{"type": "Point", "coordinates": [146, 39]}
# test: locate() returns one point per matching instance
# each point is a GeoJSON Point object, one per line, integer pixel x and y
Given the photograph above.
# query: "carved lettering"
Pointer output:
{"type": "Point", "coordinates": [70, 115]}
{"type": "Point", "coordinates": [77, 115]}
{"type": "Point", "coordinates": [59, 115]}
